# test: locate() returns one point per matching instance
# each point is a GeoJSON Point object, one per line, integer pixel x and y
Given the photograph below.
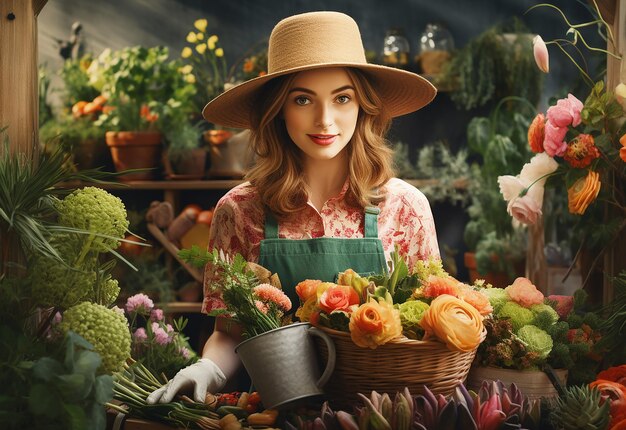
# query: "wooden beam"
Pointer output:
{"type": "Point", "coordinates": [19, 103]}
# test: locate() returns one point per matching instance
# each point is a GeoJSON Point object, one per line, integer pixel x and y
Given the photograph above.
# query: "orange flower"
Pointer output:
{"type": "Point", "coordinates": [306, 310]}
{"type": "Point", "coordinates": [524, 293]}
{"type": "Point", "coordinates": [622, 150]}
{"type": "Point", "coordinates": [147, 115]}
{"type": "Point", "coordinates": [454, 322]}
{"type": "Point", "coordinates": [248, 66]}
{"type": "Point", "coordinates": [581, 151]}
{"type": "Point", "coordinates": [615, 374]}
{"type": "Point", "coordinates": [476, 299]}
{"type": "Point", "coordinates": [338, 298]}
{"type": "Point", "coordinates": [536, 133]}
{"type": "Point", "coordinates": [307, 288]}
{"type": "Point", "coordinates": [374, 323]}
{"type": "Point", "coordinates": [438, 285]}
{"type": "Point", "coordinates": [617, 394]}
{"type": "Point", "coordinates": [583, 193]}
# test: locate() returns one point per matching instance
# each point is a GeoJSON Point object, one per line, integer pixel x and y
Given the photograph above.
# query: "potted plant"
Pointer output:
{"type": "Point", "coordinates": [148, 96]}
{"type": "Point", "coordinates": [496, 245]}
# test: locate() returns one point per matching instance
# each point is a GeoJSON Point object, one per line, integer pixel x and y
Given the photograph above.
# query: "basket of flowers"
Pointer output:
{"type": "Point", "coordinates": [414, 329]}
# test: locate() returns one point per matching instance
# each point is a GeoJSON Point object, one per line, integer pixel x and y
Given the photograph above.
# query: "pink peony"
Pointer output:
{"type": "Point", "coordinates": [269, 293]}
{"type": "Point", "coordinates": [564, 304]}
{"type": "Point", "coordinates": [140, 334]}
{"type": "Point", "coordinates": [160, 336]}
{"type": "Point", "coordinates": [524, 293]}
{"type": "Point", "coordinates": [566, 112]}
{"type": "Point", "coordinates": [156, 315]}
{"type": "Point", "coordinates": [524, 209]}
{"type": "Point", "coordinates": [139, 303]}
{"type": "Point", "coordinates": [554, 140]}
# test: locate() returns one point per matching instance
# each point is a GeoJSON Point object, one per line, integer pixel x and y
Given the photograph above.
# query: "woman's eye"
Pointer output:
{"type": "Point", "coordinates": [301, 100]}
{"type": "Point", "coordinates": [343, 99]}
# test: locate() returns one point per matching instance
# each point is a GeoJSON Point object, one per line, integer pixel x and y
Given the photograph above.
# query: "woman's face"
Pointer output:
{"type": "Point", "coordinates": [321, 112]}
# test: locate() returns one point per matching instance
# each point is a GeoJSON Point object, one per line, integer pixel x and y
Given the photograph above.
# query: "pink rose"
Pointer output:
{"type": "Point", "coordinates": [564, 304]}
{"type": "Point", "coordinates": [566, 112]}
{"type": "Point", "coordinates": [524, 209]}
{"type": "Point", "coordinates": [554, 140]}
{"type": "Point", "coordinates": [524, 293]}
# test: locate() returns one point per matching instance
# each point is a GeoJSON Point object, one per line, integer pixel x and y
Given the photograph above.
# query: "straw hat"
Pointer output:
{"type": "Point", "coordinates": [314, 40]}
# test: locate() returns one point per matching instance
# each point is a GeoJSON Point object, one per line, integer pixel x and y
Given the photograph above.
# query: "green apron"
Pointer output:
{"type": "Point", "coordinates": [321, 258]}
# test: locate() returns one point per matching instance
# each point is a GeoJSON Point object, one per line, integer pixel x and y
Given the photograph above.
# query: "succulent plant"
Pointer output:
{"type": "Point", "coordinates": [582, 408]}
{"type": "Point", "coordinates": [380, 413]}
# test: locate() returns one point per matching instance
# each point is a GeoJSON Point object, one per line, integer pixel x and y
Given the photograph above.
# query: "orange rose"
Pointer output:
{"type": "Point", "coordinates": [454, 322]}
{"type": "Point", "coordinates": [338, 298]}
{"type": "Point", "coordinates": [476, 299]}
{"type": "Point", "coordinates": [374, 323]}
{"type": "Point", "coordinates": [536, 133]}
{"type": "Point", "coordinates": [583, 193]}
{"type": "Point", "coordinates": [307, 288]}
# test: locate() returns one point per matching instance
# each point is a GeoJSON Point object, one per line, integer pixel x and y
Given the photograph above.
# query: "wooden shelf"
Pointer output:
{"type": "Point", "coordinates": [182, 307]}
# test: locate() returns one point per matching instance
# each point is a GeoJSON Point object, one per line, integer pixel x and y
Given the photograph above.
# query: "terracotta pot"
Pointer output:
{"type": "Point", "coordinates": [135, 150]}
{"type": "Point", "coordinates": [532, 383]}
{"type": "Point", "coordinates": [230, 155]}
{"type": "Point", "coordinates": [497, 279]}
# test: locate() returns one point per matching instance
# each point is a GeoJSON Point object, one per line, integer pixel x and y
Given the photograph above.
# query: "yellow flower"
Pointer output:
{"type": "Point", "coordinates": [201, 48]}
{"type": "Point", "coordinates": [305, 310]}
{"type": "Point", "coordinates": [200, 24]}
{"type": "Point", "coordinates": [212, 41]}
{"type": "Point", "coordinates": [375, 323]}
{"type": "Point", "coordinates": [454, 322]}
{"type": "Point", "coordinates": [190, 79]}
{"type": "Point", "coordinates": [186, 53]}
{"type": "Point", "coordinates": [200, 36]}
{"type": "Point", "coordinates": [186, 69]}
{"type": "Point", "coordinates": [583, 193]}
{"type": "Point", "coordinates": [219, 52]}
{"type": "Point", "coordinates": [191, 37]}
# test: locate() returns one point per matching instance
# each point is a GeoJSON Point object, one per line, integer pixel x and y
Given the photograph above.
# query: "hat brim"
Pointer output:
{"type": "Point", "coordinates": [402, 92]}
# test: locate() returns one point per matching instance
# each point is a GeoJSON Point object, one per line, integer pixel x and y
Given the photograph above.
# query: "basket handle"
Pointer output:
{"type": "Point", "coordinates": [330, 363]}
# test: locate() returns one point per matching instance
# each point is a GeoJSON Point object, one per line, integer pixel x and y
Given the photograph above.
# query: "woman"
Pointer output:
{"type": "Point", "coordinates": [321, 198]}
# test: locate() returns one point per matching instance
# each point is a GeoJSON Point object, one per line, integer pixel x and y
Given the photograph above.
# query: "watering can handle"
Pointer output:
{"type": "Point", "coordinates": [330, 363]}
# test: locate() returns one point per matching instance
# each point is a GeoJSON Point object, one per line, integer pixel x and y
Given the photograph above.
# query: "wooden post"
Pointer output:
{"type": "Point", "coordinates": [19, 104]}
{"type": "Point", "coordinates": [615, 258]}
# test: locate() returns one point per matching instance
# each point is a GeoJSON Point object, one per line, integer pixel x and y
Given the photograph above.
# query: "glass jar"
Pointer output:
{"type": "Point", "coordinates": [396, 48]}
{"type": "Point", "coordinates": [435, 48]}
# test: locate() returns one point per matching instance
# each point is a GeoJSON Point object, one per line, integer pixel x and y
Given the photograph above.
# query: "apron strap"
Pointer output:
{"type": "Point", "coordinates": [371, 221]}
{"type": "Point", "coordinates": [370, 229]}
{"type": "Point", "coordinates": [271, 225]}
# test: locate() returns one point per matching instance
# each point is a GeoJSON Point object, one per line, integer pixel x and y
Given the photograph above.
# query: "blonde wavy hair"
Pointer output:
{"type": "Point", "coordinates": [277, 174]}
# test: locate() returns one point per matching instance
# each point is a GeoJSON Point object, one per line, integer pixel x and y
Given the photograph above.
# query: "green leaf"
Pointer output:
{"type": "Point", "coordinates": [87, 362]}
{"type": "Point", "coordinates": [47, 368]}
{"type": "Point", "coordinates": [74, 387]}
{"type": "Point", "coordinates": [43, 400]}
{"type": "Point", "coordinates": [478, 132]}
{"type": "Point", "coordinates": [103, 389]}
{"type": "Point", "coordinates": [97, 419]}
{"type": "Point", "coordinates": [76, 416]}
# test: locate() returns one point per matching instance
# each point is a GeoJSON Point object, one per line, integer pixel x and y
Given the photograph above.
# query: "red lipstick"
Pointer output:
{"type": "Point", "coordinates": [322, 139]}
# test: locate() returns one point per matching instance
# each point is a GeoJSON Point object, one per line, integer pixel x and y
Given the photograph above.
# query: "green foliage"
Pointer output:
{"type": "Point", "coordinates": [613, 342]}
{"type": "Point", "coordinates": [76, 80]}
{"type": "Point", "coordinates": [68, 132]}
{"type": "Point", "coordinates": [494, 65]}
{"type": "Point", "coordinates": [580, 408]}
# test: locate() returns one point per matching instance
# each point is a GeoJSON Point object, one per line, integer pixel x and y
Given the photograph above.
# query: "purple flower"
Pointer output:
{"type": "Point", "coordinates": [140, 334]}
{"type": "Point", "coordinates": [156, 315]}
{"type": "Point", "coordinates": [139, 303]}
{"type": "Point", "coordinates": [160, 336]}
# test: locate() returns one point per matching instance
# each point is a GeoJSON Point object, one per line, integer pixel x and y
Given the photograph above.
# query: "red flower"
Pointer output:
{"type": "Point", "coordinates": [581, 151]}
{"type": "Point", "coordinates": [536, 133]}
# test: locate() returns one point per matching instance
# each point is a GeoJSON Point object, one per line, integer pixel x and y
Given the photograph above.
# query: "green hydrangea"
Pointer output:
{"type": "Point", "coordinates": [106, 329]}
{"type": "Point", "coordinates": [545, 315]}
{"type": "Point", "coordinates": [535, 340]}
{"type": "Point", "coordinates": [519, 315]}
{"type": "Point", "coordinates": [497, 298]}
{"type": "Point", "coordinates": [95, 210]}
{"type": "Point", "coordinates": [57, 285]}
{"type": "Point", "coordinates": [425, 268]}
{"type": "Point", "coordinates": [411, 312]}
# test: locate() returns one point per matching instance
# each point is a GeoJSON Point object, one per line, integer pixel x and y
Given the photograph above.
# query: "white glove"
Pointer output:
{"type": "Point", "coordinates": [204, 375]}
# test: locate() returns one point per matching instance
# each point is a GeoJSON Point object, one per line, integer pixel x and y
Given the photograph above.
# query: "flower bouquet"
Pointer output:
{"type": "Point", "coordinates": [409, 328]}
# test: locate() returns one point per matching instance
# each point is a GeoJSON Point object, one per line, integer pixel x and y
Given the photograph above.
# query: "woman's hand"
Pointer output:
{"type": "Point", "coordinates": [204, 376]}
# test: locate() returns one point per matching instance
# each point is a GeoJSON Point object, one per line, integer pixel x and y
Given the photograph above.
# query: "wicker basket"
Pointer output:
{"type": "Point", "coordinates": [391, 367]}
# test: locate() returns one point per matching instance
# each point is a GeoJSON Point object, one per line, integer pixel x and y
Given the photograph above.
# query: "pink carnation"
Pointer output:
{"type": "Point", "coordinates": [156, 315]}
{"type": "Point", "coordinates": [566, 112]}
{"type": "Point", "coordinates": [524, 293]}
{"type": "Point", "coordinates": [140, 334]}
{"type": "Point", "coordinates": [139, 303]}
{"type": "Point", "coordinates": [269, 293]}
{"type": "Point", "coordinates": [564, 304]}
{"type": "Point", "coordinates": [261, 306]}
{"type": "Point", "coordinates": [554, 140]}
{"type": "Point", "coordinates": [160, 336]}
{"type": "Point", "coordinates": [185, 353]}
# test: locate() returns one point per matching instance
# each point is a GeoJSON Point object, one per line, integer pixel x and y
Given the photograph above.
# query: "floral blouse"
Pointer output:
{"type": "Point", "coordinates": [405, 221]}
